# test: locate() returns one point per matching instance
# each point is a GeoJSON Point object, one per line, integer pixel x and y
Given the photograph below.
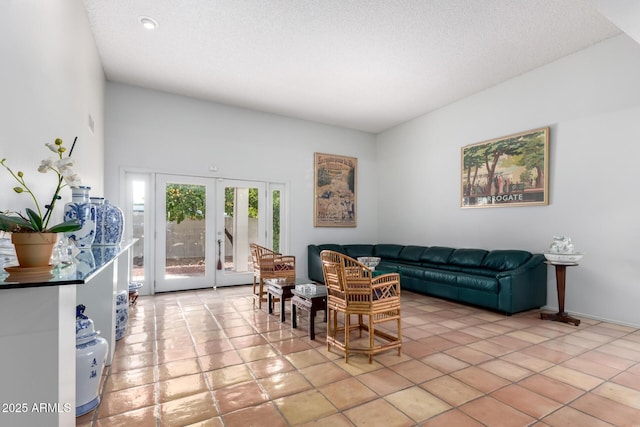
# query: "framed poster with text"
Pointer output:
{"type": "Point", "coordinates": [508, 171]}
{"type": "Point", "coordinates": [335, 199]}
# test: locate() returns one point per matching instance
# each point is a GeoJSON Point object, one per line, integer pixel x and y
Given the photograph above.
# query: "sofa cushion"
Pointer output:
{"type": "Point", "coordinates": [502, 260]}
{"type": "Point", "coordinates": [332, 247]}
{"type": "Point", "coordinates": [480, 283]}
{"type": "Point", "coordinates": [387, 251]}
{"type": "Point", "coordinates": [436, 255]}
{"type": "Point", "coordinates": [468, 257]}
{"type": "Point", "coordinates": [411, 253]}
{"type": "Point", "coordinates": [355, 251]}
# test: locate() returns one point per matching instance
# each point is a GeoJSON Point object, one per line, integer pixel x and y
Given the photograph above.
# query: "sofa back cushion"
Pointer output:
{"type": "Point", "coordinates": [332, 247]}
{"type": "Point", "coordinates": [468, 257]}
{"type": "Point", "coordinates": [354, 251]}
{"type": "Point", "coordinates": [411, 253]}
{"type": "Point", "coordinates": [505, 259]}
{"type": "Point", "coordinates": [436, 255]}
{"type": "Point", "coordinates": [387, 251]}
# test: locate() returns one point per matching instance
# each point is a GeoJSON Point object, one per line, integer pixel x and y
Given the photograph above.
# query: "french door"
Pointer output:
{"type": "Point", "coordinates": [242, 222]}
{"type": "Point", "coordinates": [185, 236]}
{"type": "Point", "coordinates": [204, 227]}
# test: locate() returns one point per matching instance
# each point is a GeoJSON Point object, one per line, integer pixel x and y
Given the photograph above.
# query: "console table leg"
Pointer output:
{"type": "Point", "coordinates": [561, 315]}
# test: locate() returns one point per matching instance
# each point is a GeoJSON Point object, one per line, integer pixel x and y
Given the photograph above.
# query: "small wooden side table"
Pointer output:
{"type": "Point", "coordinates": [561, 276]}
{"type": "Point", "coordinates": [311, 301]}
{"type": "Point", "coordinates": [278, 290]}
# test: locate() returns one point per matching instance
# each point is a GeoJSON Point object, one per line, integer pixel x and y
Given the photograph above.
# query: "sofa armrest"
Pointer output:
{"type": "Point", "coordinates": [524, 286]}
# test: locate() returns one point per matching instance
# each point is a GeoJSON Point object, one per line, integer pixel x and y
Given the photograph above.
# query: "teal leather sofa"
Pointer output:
{"type": "Point", "coordinates": [508, 281]}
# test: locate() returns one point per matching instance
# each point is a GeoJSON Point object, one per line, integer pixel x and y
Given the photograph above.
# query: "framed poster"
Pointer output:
{"type": "Point", "coordinates": [335, 200]}
{"type": "Point", "coordinates": [508, 171]}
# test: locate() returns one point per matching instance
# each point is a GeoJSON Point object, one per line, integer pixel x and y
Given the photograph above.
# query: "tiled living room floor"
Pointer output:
{"type": "Point", "coordinates": [209, 358]}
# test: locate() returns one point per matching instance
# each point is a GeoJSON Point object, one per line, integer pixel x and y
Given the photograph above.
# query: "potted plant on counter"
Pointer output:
{"type": "Point", "coordinates": [31, 234]}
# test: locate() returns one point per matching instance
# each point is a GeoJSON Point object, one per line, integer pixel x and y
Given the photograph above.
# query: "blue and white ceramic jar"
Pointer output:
{"type": "Point", "coordinates": [122, 313]}
{"type": "Point", "coordinates": [91, 355]}
{"type": "Point", "coordinates": [81, 209]}
{"type": "Point", "coordinates": [109, 222]}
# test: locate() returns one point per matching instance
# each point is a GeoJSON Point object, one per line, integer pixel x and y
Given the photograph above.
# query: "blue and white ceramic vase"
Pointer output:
{"type": "Point", "coordinates": [91, 355]}
{"type": "Point", "coordinates": [81, 209]}
{"type": "Point", "coordinates": [122, 313]}
{"type": "Point", "coordinates": [109, 222]}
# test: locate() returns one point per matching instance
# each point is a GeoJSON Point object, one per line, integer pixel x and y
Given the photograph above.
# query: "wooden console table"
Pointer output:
{"type": "Point", "coordinates": [561, 315]}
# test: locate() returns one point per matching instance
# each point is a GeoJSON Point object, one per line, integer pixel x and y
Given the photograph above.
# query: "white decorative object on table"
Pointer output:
{"type": "Point", "coordinates": [91, 353]}
{"type": "Point", "coordinates": [562, 251]}
{"type": "Point", "coordinates": [370, 261]}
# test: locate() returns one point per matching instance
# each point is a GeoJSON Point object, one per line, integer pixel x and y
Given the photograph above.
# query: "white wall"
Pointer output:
{"type": "Point", "coordinates": [51, 79]}
{"type": "Point", "coordinates": [156, 131]}
{"type": "Point", "coordinates": [591, 101]}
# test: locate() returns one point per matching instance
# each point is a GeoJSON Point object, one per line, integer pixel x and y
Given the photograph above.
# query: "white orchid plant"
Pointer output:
{"type": "Point", "coordinates": [35, 221]}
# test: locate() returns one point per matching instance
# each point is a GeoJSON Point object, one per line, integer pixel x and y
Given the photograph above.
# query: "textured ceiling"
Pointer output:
{"type": "Point", "coordinates": [366, 65]}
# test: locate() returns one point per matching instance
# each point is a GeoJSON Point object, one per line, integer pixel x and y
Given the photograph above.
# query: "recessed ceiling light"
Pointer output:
{"type": "Point", "coordinates": [148, 23]}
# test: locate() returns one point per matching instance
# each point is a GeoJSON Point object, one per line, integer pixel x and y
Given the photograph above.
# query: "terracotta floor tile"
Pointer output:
{"type": "Point", "coordinates": [492, 412]}
{"type": "Point", "coordinates": [628, 379]}
{"type": "Point", "coordinates": [451, 390]}
{"type": "Point", "coordinates": [238, 396]}
{"type": "Point", "coordinates": [133, 361]}
{"type": "Point", "coordinates": [249, 354]}
{"type": "Point", "coordinates": [468, 355]}
{"type": "Point", "coordinates": [265, 414]}
{"type": "Point", "coordinates": [378, 413]}
{"type": "Point", "coordinates": [125, 400]}
{"type": "Point", "coordinates": [227, 376]}
{"type": "Point", "coordinates": [347, 393]}
{"type": "Point", "coordinates": [210, 362]}
{"type": "Point", "coordinates": [324, 373]}
{"type": "Point", "coordinates": [417, 403]}
{"type": "Point", "coordinates": [416, 371]}
{"type": "Point", "coordinates": [131, 378]}
{"type": "Point", "coordinates": [591, 368]}
{"type": "Point", "coordinates": [444, 362]}
{"type": "Point", "coordinates": [480, 379]}
{"type": "Point", "coordinates": [526, 401]}
{"type": "Point", "coordinates": [178, 368]}
{"type": "Point", "coordinates": [302, 359]}
{"type": "Point", "coordinates": [303, 407]}
{"type": "Point", "coordinates": [144, 417]}
{"type": "Point", "coordinates": [284, 384]}
{"type": "Point", "coordinates": [572, 377]}
{"type": "Point", "coordinates": [505, 370]}
{"type": "Point", "coordinates": [384, 381]}
{"type": "Point", "coordinates": [524, 360]}
{"type": "Point", "coordinates": [188, 410]}
{"type": "Point", "coordinates": [453, 418]}
{"type": "Point", "coordinates": [619, 393]}
{"type": "Point", "coordinates": [567, 416]}
{"type": "Point", "coordinates": [271, 366]}
{"type": "Point", "coordinates": [551, 388]}
{"type": "Point", "coordinates": [179, 387]}
{"type": "Point", "coordinates": [607, 410]}
{"type": "Point", "coordinates": [335, 420]}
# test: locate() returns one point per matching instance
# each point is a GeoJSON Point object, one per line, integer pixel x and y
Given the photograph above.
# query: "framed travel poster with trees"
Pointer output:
{"type": "Point", "coordinates": [334, 190]}
{"type": "Point", "coordinates": [508, 171]}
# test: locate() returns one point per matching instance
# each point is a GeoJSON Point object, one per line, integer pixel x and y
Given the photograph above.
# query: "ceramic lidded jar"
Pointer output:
{"type": "Point", "coordinates": [81, 209]}
{"type": "Point", "coordinates": [91, 355]}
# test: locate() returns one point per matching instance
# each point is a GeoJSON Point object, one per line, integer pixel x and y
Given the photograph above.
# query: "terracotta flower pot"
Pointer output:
{"type": "Point", "coordinates": [34, 249]}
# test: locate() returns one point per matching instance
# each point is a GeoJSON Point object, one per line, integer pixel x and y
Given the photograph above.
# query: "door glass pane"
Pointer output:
{"type": "Point", "coordinates": [275, 197]}
{"type": "Point", "coordinates": [240, 227]}
{"type": "Point", "coordinates": [137, 224]}
{"type": "Point", "coordinates": [186, 230]}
